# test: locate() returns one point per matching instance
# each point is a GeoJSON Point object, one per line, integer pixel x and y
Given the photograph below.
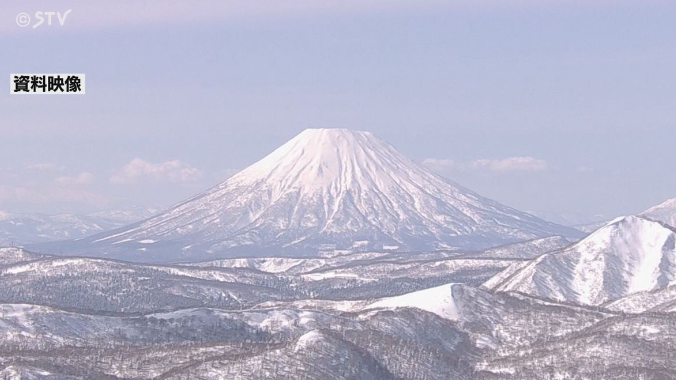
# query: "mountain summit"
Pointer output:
{"type": "Point", "coordinates": [664, 212]}
{"type": "Point", "coordinates": [629, 255]}
{"type": "Point", "coordinates": [325, 189]}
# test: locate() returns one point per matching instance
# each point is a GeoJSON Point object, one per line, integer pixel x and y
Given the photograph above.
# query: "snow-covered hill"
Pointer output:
{"type": "Point", "coordinates": [526, 249]}
{"type": "Point", "coordinates": [24, 229]}
{"type": "Point", "coordinates": [629, 255]}
{"type": "Point", "coordinates": [438, 300]}
{"type": "Point", "coordinates": [84, 318]}
{"type": "Point", "coordinates": [13, 255]}
{"type": "Point", "coordinates": [324, 190]}
{"type": "Point", "coordinates": [33, 228]}
{"type": "Point", "coordinates": [663, 212]}
{"type": "Point", "coordinates": [661, 300]}
{"type": "Point", "coordinates": [115, 286]}
{"type": "Point", "coordinates": [571, 219]}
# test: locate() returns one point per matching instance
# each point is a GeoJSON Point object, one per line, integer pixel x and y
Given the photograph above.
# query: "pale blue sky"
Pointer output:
{"type": "Point", "coordinates": [195, 90]}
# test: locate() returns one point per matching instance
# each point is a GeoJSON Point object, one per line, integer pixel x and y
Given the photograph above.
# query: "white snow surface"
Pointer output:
{"type": "Point", "coordinates": [629, 255]}
{"type": "Point", "coordinates": [438, 300]}
{"type": "Point", "coordinates": [664, 212]}
{"type": "Point", "coordinates": [13, 255]}
{"type": "Point", "coordinates": [660, 300]}
{"type": "Point", "coordinates": [446, 301]}
{"type": "Point", "coordinates": [335, 187]}
{"type": "Point", "coordinates": [307, 340]}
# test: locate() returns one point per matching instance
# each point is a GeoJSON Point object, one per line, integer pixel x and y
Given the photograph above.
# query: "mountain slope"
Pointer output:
{"type": "Point", "coordinates": [14, 255]}
{"type": "Point", "coordinates": [438, 300]}
{"type": "Point", "coordinates": [325, 189]}
{"type": "Point", "coordinates": [629, 255]}
{"type": "Point", "coordinates": [664, 212]}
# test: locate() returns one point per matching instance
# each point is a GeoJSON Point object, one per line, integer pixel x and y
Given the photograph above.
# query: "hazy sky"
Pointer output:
{"type": "Point", "coordinates": [558, 106]}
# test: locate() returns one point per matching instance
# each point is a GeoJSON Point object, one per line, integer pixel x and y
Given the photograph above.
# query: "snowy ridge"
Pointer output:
{"type": "Point", "coordinates": [629, 255]}
{"type": "Point", "coordinates": [664, 212]}
{"type": "Point", "coordinates": [327, 190]}
{"type": "Point", "coordinates": [454, 302]}
{"type": "Point", "coordinates": [33, 228]}
{"type": "Point", "coordinates": [437, 300]}
{"type": "Point", "coordinates": [527, 249]}
{"type": "Point", "coordinates": [440, 332]}
{"type": "Point", "coordinates": [13, 255]}
{"type": "Point", "coordinates": [22, 229]}
{"type": "Point", "coordinates": [660, 300]}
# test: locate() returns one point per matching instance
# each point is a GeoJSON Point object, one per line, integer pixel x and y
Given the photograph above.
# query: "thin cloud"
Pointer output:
{"type": "Point", "coordinates": [169, 171]}
{"type": "Point", "coordinates": [509, 164]}
{"type": "Point", "coordinates": [45, 166]}
{"type": "Point", "coordinates": [39, 195]}
{"type": "Point", "coordinates": [512, 164]}
{"type": "Point", "coordinates": [83, 178]}
{"type": "Point", "coordinates": [440, 163]}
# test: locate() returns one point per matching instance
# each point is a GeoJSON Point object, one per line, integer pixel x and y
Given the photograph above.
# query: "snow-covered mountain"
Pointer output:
{"type": "Point", "coordinates": [85, 318]}
{"type": "Point", "coordinates": [33, 228]}
{"type": "Point", "coordinates": [572, 219]}
{"type": "Point", "coordinates": [629, 255]}
{"type": "Point", "coordinates": [28, 228]}
{"type": "Point", "coordinates": [526, 250]}
{"type": "Point", "coordinates": [127, 215]}
{"type": "Point", "coordinates": [325, 189]}
{"type": "Point", "coordinates": [664, 212]}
